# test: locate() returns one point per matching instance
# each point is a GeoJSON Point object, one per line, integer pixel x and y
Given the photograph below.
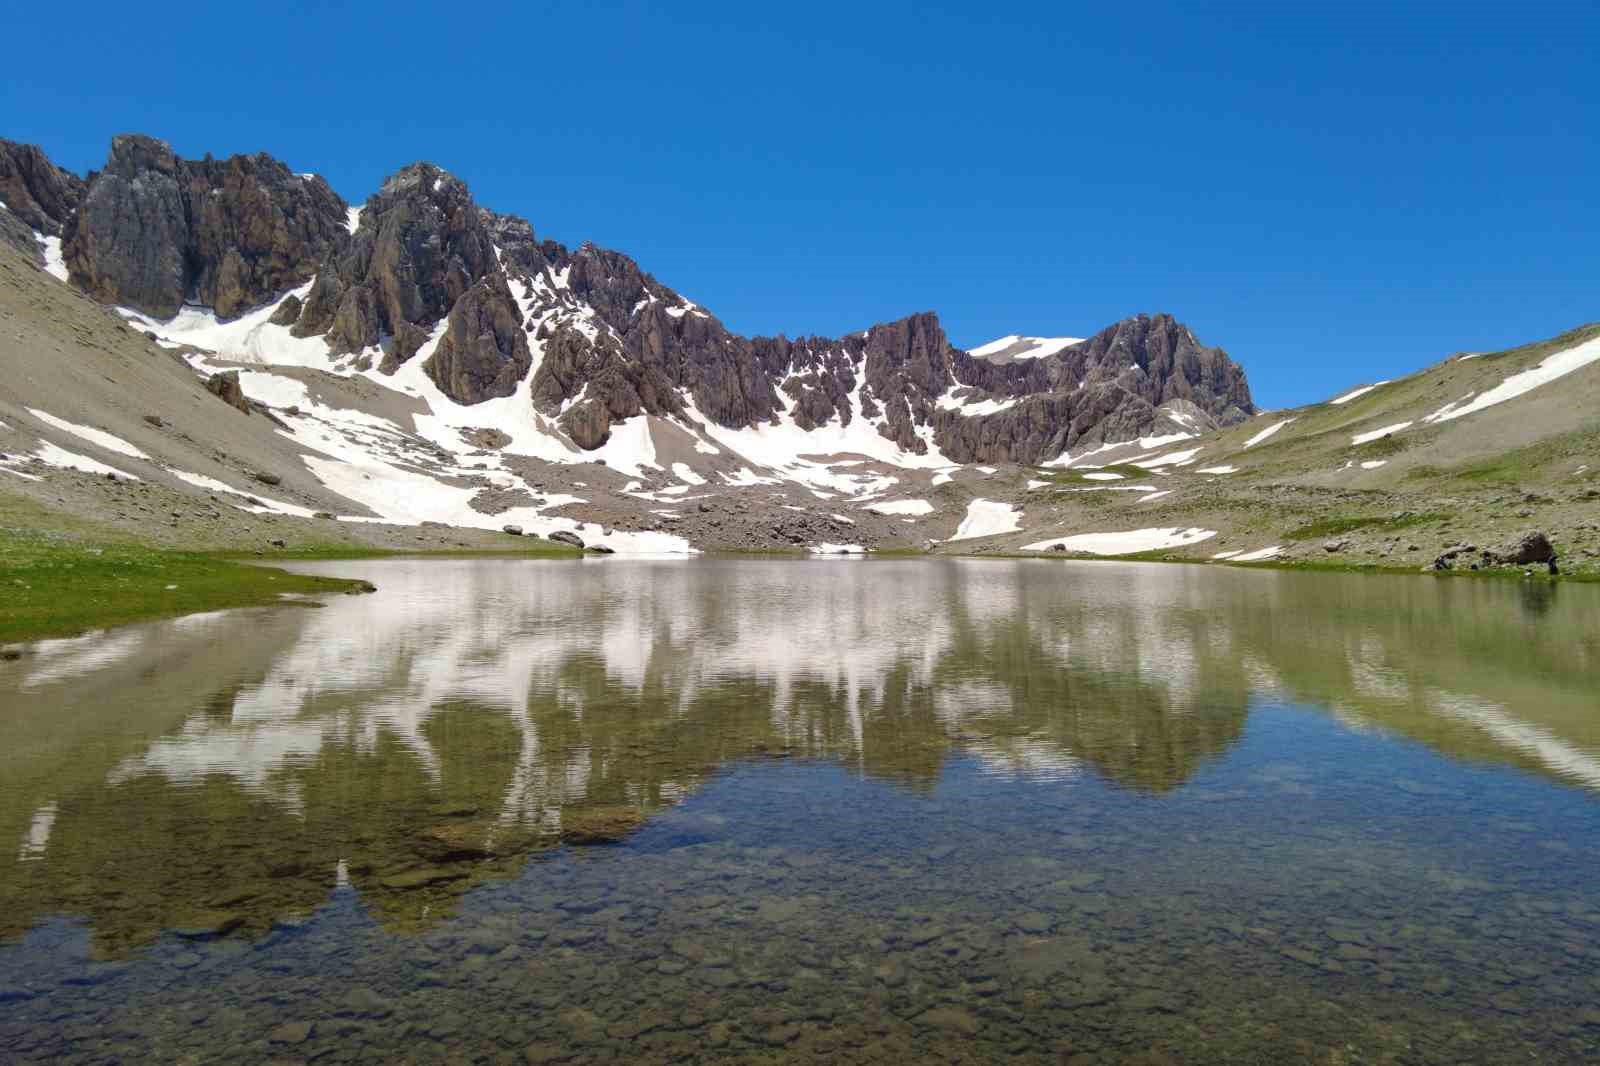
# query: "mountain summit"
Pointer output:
{"type": "Point", "coordinates": [422, 271]}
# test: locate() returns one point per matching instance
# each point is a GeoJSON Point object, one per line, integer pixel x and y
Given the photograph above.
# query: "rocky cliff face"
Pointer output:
{"type": "Point", "coordinates": [152, 230]}
{"type": "Point", "coordinates": [35, 190]}
{"type": "Point", "coordinates": [596, 339]}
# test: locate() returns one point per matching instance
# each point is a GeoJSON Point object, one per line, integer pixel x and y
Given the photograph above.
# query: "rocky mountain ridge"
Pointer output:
{"type": "Point", "coordinates": [421, 271]}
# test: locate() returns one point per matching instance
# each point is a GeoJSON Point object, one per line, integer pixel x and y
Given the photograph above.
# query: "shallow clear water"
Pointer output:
{"type": "Point", "coordinates": [785, 811]}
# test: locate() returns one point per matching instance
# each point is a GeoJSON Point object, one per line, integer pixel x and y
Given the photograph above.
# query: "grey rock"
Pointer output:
{"type": "Point", "coordinates": [562, 536]}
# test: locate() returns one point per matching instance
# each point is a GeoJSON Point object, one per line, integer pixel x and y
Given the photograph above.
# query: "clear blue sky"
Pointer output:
{"type": "Point", "coordinates": [1333, 194]}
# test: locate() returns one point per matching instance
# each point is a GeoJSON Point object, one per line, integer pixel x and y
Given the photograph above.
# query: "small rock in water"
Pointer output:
{"type": "Point", "coordinates": [291, 1033]}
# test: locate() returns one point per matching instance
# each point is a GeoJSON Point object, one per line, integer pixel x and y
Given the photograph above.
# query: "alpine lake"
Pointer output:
{"type": "Point", "coordinates": [785, 811]}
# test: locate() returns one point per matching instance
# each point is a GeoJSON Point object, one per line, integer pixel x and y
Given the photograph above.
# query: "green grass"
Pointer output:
{"type": "Point", "coordinates": [1332, 527]}
{"type": "Point", "coordinates": [60, 575]}
{"type": "Point", "coordinates": [53, 589]}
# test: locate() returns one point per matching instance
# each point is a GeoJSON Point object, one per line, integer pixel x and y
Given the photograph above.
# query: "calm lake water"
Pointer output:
{"type": "Point", "coordinates": [795, 811]}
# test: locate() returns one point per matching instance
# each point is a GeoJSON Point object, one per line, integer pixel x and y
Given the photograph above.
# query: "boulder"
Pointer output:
{"type": "Point", "coordinates": [562, 536]}
{"type": "Point", "coordinates": [515, 531]}
{"type": "Point", "coordinates": [225, 386]}
{"type": "Point", "coordinates": [1531, 547]}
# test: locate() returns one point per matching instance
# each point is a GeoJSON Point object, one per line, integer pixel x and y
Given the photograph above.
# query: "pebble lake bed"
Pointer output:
{"type": "Point", "coordinates": [789, 810]}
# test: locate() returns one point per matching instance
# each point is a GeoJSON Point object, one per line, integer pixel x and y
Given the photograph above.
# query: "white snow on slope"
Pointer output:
{"type": "Point", "coordinates": [1217, 470]}
{"type": "Point", "coordinates": [55, 264]}
{"type": "Point", "coordinates": [1144, 443]}
{"type": "Point", "coordinates": [1264, 434]}
{"type": "Point", "coordinates": [1373, 464]}
{"type": "Point", "coordinates": [837, 549]}
{"type": "Point", "coordinates": [975, 408]}
{"type": "Point", "coordinates": [59, 457]}
{"type": "Point", "coordinates": [1170, 459]}
{"type": "Point", "coordinates": [108, 441]}
{"type": "Point", "coordinates": [1154, 496]}
{"type": "Point", "coordinates": [1553, 368]}
{"type": "Point", "coordinates": [250, 338]}
{"type": "Point", "coordinates": [1026, 347]}
{"type": "Point", "coordinates": [686, 474]}
{"type": "Point", "coordinates": [988, 518]}
{"type": "Point", "coordinates": [1126, 543]}
{"type": "Point", "coordinates": [1259, 555]}
{"type": "Point", "coordinates": [1362, 438]}
{"type": "Point", "coordinates": [266, 505]}
{"type": "Point", "coordinates": [782, 446]}
{"type": "Point", "coordinates": [1356, 393]}
{"type": "Point", "coordinates": [1102, 477]}
{"type": "Point", "coordinates": [912, 507]}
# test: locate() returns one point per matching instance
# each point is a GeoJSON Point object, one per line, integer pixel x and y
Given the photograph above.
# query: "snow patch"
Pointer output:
{"type": "Point", "coordinates": [1014, 346]}
{"type": "Point", "coordinates": [911, 507]}
{"type": "Point", "coordinates": [1217, 470]}
{"type": "Point", "coordinates": [1170, 459]}
{"type": "Point", "coordinates": [988, 518]}
{"type": "Point", "coordinates": [51, 455]}
{"type": "Point", "coordinates": [1266, 433]}
{"type": "Point", "coordinates": [108, 441]}
{"type": "Point", "coordinates": [1362, 438]}
{"type": "Point", "coordinates": [1127, 543]}
{"type": "Point", "coordinates": [1103, 477]}
{"type": "Point", "coordinates": [1355, 393]}
{"type": "Point", "coordinates": [1259, 554]}
{"type": "Point", "coordinates": [1551, 369]}
{"type": "Point", "coordinates": [55, 264]}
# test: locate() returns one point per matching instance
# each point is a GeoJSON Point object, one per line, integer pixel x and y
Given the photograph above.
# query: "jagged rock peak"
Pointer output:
{"type": "Point", "coordinates": [154, 230]}
{"type": "Point", "coordinates": [37, 191]}
{"type": "Point", "coordinates": [420, 245]}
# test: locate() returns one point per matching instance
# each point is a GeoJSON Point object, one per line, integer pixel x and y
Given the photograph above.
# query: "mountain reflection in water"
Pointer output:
{"type": "Point", "coordinates": [223, 773]}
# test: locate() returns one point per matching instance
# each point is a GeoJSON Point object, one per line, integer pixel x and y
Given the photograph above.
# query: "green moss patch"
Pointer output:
{"type": "Point", "coordinates": [1331, 527]}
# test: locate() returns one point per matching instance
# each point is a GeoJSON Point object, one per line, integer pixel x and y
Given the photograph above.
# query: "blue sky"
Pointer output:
{"type": "Point", "coordinates": [1332, 195]}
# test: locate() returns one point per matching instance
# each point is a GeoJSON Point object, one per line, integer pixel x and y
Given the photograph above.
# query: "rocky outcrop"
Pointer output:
{"type": "Point", "coordinates": [154, 230]}
{"type": "Point", "coordinates": [257, 229]}
{"type": "Point", "coordinates": [225, 386]}
{"type": "Point", "coordinates": [483, 352]}
{"type": "Point", "coordinates": [128, 243]}
{"type": "Point", "coordinates": [420, 246]}
{"type": "Point", "coordinates": [35, 190]}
